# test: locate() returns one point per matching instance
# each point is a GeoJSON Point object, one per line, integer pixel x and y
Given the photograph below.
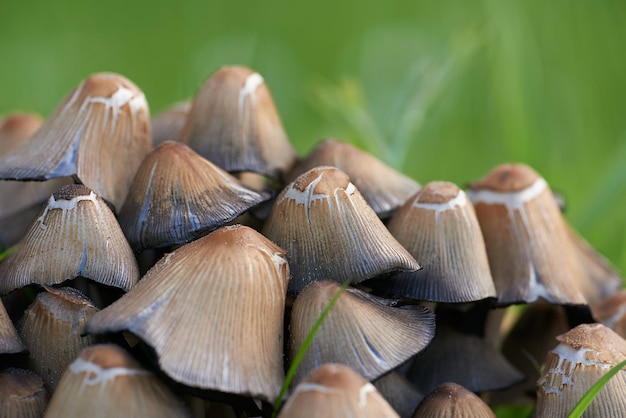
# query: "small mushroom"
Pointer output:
{"type": "Point", "coordinates": [9, 339]}
{"type": "Point", "coordinates": [612, 312]}
{"type": "Point", "coordinates": [166, 126]}
{"type": "Point", "coordinates": [233, 122]}
{"type": "Point", "coordinates": [334, 390]}
{"type": "Point", "coordinates": [213, 312]}
{"type": "Point", "coordinates": [438, 225]}
{"type": "Point", "coordinates": [105, 381]}
{"type": "Point", "coordinates": [383, 188]}
{"type": "Point", "coordinates": [75, 235]}
{"type": "Point", "coordinates": [51, 329]}
{"type": "Point", "coordinates": [22, 394]}
{"type": "Point", "coordinates": [583, 356]}
{"type": "Point", "coordinates": [361, 331]}
{"type": "Point", "coordinates": [330, 232]}
{"type": "Point", "coordinates": [178, 196]}
{"type": "Point", "coordinates": [451, 400]}
{"type": "Point", "coordinates": [100, 134]}
{"type": "Point", "coordinates": [17, 128]}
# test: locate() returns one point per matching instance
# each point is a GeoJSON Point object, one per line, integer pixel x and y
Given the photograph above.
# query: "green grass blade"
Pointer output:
{"type": "Point", "coordinates": [7, 252]}
{"type": "Point", "coordinates": [305, 346]}
{"type": "Point", "coordinates": [593, 391]}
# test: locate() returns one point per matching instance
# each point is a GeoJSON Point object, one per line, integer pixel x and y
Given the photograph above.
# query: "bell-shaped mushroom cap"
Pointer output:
{"type": "Point", "coordinates": [233, 122]}
{"type": "Point", "coordinates": [360, 331]}
{"type": "Point", "coordinates": [166, 126]}
{"type": "Point", "coordinates": [17, 128]}
{"type": "Point", "coordinates": [612, 312]}
{"type": "Point", "coordinates": [584, 354]}
{"type": "Point", "coordinates": [105, 381]}
{"type": "Point", "coordinates": [100, 133]}
{"type": "Point", "coordinates": [529, 245]}
{"type": "Point", "coordinates": [329, 231]}
{"type": "Point", "coordinates": [450, 400]}
{"type": "Point", "coordinates": [178, 196]}
{"type": "Point", "coordinates": [9, 340]}
{"type": "Point", "coordinates": [438, 225]}
{"type": "Point", "coordinates": [51, 329]}
{"type": "Point", "coordinates": [75, 235]}
{"type": "Point", "coordinates": [399, 392]}
{"type": "Point", "coordinates": [334, 390]}
{"type": "Point", "coordinates": [213, 312]}
{"type": "Point", "coordinates": [21, 394]}
{"type": "Point", "coordinates": [383, 188]}
{"type": "Point", "coordinates": [464, 359]}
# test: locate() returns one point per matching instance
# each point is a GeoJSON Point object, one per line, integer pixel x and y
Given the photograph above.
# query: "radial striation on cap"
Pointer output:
{"type": "Point", "coordinates": [451, 400]}
{"type": "Point", "coordinates": [75, 235]}
{"type": "Point", "coordinates": [22, 394]}
{"type": "Point", "coordinates": [233, 122]}
{"type": "Point", "coordinates": [329, 231]}
{"type": "Point", "coordinates": [100, 133]}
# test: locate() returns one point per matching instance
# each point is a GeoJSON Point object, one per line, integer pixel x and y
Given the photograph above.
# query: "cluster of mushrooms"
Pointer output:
{"type": "Point", "coordinates": [174, 267]}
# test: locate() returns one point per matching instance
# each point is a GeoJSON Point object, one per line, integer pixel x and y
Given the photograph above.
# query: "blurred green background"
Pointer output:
{"type": "Point", "coordinates": [441, 90]}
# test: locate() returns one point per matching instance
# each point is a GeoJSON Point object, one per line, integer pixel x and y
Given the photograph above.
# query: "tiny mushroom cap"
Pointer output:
{"type": "Point", "coordinates": [335, 390]}
{"type": "Point", "coordinates": [438, 225]}
{"type": "Point", "coordinates": [166, 126]}
{"type": "Point", "coordinates": [9, 340]}
{"type": "Point", "coordinates": [464, 359]}
{"type": "Point", "coordinates": [100, 134]}
{"type": "Point", "coordinates": [451, 400]}
{"type": "Point", "coordinates": [583, 356]}
{"type": "Point", "coordinates": [75, 235]}
{"type": "Point", "coordinates": [22, 394]}
{"type": "Point", "coordinates": [383, 188]}
{"type": "Point", "coordinates": [233, 122]}
{"type": "Point", "coordinates": [178, 196]}
{"type": "Point", "coordinates": [105, 381]}
{"type": "Point", "coordinates": [17, 128]}
{"type": "Point", "coordinates": [360, 331]}
{"type": "Point", "coordinates": [329, 231]}
{"type": "Point", "coordinates": [612, 312]}
{"type": "Point", "coordinates": [51, 328]}
{"type": "Point", "coordinates": [530, 246]}
{"type": "Point", "coordinates": [213, 312]}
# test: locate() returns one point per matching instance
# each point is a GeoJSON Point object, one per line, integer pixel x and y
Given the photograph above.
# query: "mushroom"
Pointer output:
{"type": "Point", "coordinates": [399, 392]}
{"type": "Point", "coordinates": [583, 356]}
{"type": "Point", "coordinates": [178, 196]}
{"type": "Point", "coordinates": [531, 249]}
{"type": "Point", "coordinates": [51, 329]}
{"type": "Point", "coordinates": [105, 381]}
{"type": "Point", "coordinates": [383, 188]}
{"type": "Point", "coordinates": [361, 331]}
{"type": "Point", "coordinates": [451, 400]}
{"type": "Point", "coordinates": [9, 339]}
{"type": "Point", "coordinates": [612, 312]}
{"type": "Point", "coordinates": [22, 394]}
{"type": "Point", "coordinates": [334, 390]}
{"type": "Point", "coordinates": [17, 128]}
{"type": "Point", "coordinates": [166, 126]}
{"type": "Point", "coordinates": [233, 122]}
{"type": "Point", "coordinates": [330, 232]}
{"type": "Point", "coordinates": [75, 235]}
{"type": "Point", "coordinates": [100, 134]}
{"type": "Point", "coordinates": [212, 310]}
{"type": "Point", "coordinates": [438, 224]}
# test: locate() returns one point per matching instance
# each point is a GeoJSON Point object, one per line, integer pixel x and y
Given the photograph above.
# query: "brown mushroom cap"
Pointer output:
{"type": "Point", "coordinates": [9, 340]}
{"type": "Point", "coordinates": [334, 390]}
{"type": "Point", "coordinates": [22, 394]}
{"type": "Point", "coordinates": [17, 128]}
{"type": "Point", "coordinates": [451, 400]}
{"type": "Point", "coordinates": [166, 126]}
{"type": "Point", "coordinates": [233, 122]}
{"type": "Point", "coordinates": [329, 231]}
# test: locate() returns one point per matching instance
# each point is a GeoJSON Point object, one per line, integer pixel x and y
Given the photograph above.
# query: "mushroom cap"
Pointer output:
{"type": "Point", "coordinates": [530, 251]}
{"type": "Point", "coordinates": [213, 312]}
{"type": "Point", "coordinates": [75, 235]}
{"type": "Point", "coordinates": [329, 231]}
{"type": "Point", "coordinates": [9, 340]}
{"type": "Point", "coordinates": [166, 126]}
{"type": "Point", "coordinates": [107, 381]}
{"type": "Point", "coordinates": [334, 390]}
{"type": "Point", "coordinates": [438, 225]}
{"type": "Point", "coordinates": [383, 188]}
{"type": "Point", "coordinates": [451, 400]}
{"type": "Point", "coordinates": [22, 394]}
{"type": "Point", "coordinates": [233, 122]}
{"type": "Point", "coordinates": [584, 354]}
{"type": "Point", "coordinates": [361, 331]}
{"type": "Point", "coordinates": [17, 128]}
{"type": "Point", "coordinates": [100, 133]}
{"type": "Point", "coordinates": [178, 196]}
{"type": "Point", "coordinates": [399, 392]}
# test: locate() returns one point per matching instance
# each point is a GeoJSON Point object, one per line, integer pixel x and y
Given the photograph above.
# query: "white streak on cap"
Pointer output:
{"type": "Point", "coordinates": [512, 200]}
{"type": "Point", "coordinates": [95, 375]}
{"type": "Point", "coordinates": [253, 81]}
